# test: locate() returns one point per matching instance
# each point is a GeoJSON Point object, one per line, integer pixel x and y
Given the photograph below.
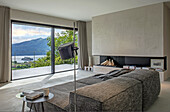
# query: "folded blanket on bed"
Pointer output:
{"type": "Point", "coordinates": [111, 74]}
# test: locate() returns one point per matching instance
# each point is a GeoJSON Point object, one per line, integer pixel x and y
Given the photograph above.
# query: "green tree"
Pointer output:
{"type": "Point", "coordinates": [60, 38]}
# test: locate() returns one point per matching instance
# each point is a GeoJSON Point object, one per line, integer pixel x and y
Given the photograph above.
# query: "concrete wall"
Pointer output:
{"type": "Point", "coordinates": [95, 59]}
{"type": "Point", "coordinates": [167, 38]}
{"type": "Point", "coordinates": [143, 31]}
{"type": "Point", "coordinates": [133, 32]}
{"type": "Point", "coordinates": [39, 18]}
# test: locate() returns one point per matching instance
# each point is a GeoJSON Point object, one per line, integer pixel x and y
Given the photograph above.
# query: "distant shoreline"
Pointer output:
{"type": "Point", "coordinates": [19, 58]}
{"type": "Point", "coordinates": [27, 54]}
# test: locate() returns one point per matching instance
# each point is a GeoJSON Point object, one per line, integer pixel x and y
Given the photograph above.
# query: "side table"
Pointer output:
{"type": "Point", "coordinates": [38, 100]}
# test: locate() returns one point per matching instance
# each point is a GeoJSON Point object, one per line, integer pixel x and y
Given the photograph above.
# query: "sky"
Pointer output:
{"type": "Point", "coordinates": [21, 33]}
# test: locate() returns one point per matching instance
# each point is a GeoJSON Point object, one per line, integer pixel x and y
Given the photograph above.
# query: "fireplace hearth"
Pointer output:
{"type": "Point", "coordinates": [120, 61]}
{"type": "Point", "coordinates": [108, 63]}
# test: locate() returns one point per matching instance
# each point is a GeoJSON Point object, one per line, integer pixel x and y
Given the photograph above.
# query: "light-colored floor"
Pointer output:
{"type": "Point", "coordinates": [162, 104]}
{"type": "Point", "coordinates": [29, 72]}
{"type": "Point", "coordinates": [8, 91]}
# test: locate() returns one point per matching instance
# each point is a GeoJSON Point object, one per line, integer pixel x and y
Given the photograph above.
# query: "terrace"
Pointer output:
{"type": "Point", "coordinates": [37, 65]}
{"type": "Point", "coordinates": [38, 71]}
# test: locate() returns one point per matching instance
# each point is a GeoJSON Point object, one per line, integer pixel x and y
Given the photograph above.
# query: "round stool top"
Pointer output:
{"type": "Point", "coordinates": [40, 99]}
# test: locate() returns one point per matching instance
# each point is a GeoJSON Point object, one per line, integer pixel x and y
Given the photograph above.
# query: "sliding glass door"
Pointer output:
{"type": "Point", "coordinates": [63, 36]}
{"type": "Point", "coordinates": [32, 49]}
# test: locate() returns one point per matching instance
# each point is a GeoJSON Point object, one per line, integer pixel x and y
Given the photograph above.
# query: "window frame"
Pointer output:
{"type": "Point", "coordinates": [53, 27]}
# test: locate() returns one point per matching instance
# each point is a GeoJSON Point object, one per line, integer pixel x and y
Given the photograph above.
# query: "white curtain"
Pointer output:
{"type": "Point", "coordinates": [5, 53]}
{"type": "Point", "coordinates": [82, 43]}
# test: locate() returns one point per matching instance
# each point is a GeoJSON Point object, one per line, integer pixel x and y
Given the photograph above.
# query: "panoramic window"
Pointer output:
{"type": "Point", "coordinates": [31, 50]}
{"type": "Point", "coordinates": [63, 36]}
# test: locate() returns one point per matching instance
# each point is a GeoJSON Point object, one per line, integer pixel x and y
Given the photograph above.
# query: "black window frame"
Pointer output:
{"type": "Point", "coordinates": [53, 27]}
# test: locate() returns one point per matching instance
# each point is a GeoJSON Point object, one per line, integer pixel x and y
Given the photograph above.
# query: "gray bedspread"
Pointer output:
{"type": "Point", "coordinates": [112, 74]}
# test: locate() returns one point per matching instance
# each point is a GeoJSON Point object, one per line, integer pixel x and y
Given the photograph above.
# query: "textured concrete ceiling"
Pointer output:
{"type": "Point", "coordinates": [76, 9]}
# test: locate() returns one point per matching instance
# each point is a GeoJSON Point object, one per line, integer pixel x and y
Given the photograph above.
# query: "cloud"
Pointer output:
{"type": "Point", "coordinates": [20, 39]}
{"type": "Point", "coordinates": [20, 30]}
{"type": "Point", "coordinates": [22, 33]}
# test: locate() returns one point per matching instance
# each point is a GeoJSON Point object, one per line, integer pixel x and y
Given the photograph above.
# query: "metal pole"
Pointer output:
{"type": "Point", "coordinates": [34, 59]}
{"type": "Point", "coordinates": [75, 100]}
{"type": "Point", "coordinates": [15, 61]}
{"type": "Point", "coordinates": [52, 51]}
{"type": "Point", "coordinates": [14, 57]}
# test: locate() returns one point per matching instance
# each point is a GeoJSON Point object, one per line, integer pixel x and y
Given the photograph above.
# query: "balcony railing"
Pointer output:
{"type": "Point", "coordinates": [34, 59]}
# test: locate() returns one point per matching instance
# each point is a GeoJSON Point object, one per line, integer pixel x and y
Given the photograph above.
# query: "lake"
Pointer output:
{"type": "Point", "coordinates": [19, 58]}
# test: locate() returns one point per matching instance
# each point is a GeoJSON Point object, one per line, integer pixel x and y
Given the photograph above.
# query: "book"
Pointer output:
{"type": "Point", "coordinates": [27, 92]}
{"type": "Point", "coordinates": [34, 95]}
{"type": "Point", "coordinates": [24, 93]}
{"type": "Point", "coordinates": [126, 66]}
{"type": "Point", "coordinates": [132, 67]}
{"type": "Point", "coordinates": [138, 68]}
{"type": "Point", "coordinates": [145, 68]}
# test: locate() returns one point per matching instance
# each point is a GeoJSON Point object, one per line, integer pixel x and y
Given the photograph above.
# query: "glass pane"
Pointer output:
{"type": "Point", "coordinates": [63, 36]}
{"type": "Point", "coordinates": [31, 52]}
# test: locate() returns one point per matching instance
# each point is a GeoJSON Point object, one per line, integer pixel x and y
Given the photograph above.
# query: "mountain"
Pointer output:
{"type": "Point", "coordinates": [39, 46]}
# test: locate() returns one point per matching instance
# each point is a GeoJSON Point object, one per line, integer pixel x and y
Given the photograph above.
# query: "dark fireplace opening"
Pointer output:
{"type": "Point", "coordinates": [109, 61]}
{"type": "Point", "coordinates": [120, 61]}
